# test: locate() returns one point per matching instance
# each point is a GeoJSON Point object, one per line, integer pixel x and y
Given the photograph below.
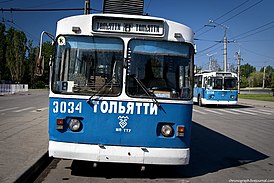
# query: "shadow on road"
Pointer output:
{"type": "Point", "coordinates": [210, 152]}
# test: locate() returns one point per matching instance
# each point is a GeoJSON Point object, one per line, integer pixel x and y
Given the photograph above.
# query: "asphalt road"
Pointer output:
{"type": "Point", "coordinates": [23, 132]}
{"type": "Point", "coordinates": [229, 144]}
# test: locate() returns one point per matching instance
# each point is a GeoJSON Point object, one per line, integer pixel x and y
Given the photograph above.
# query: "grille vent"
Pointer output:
{"type": "Point", "coordinates": [131, 7]}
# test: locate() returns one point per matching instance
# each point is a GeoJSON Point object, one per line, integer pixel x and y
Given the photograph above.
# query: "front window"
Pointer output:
{"type": "Point", "coordinates": [230, 83]}
{"type": "Point", "coordinates": [88, 65]}
{"type": "Point", "coordinates": [215, 83]}
{"type": "Point", "coordinates": [163, 68]}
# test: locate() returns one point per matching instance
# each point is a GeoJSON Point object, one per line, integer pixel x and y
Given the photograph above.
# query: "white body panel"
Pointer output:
{"type": "Point", "coordinates": [219, 102]}
{"type": "Point", "coordinates": [205, 102]}
{"type": "Point", "coordinates": [139, 155]}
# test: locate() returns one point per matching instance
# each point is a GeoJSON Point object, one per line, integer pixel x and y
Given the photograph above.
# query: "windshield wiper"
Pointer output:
{"type": "Point", "coordinates": [111, 81]}
{"type": "Point", "coordinates": [96, 93]}
{"type": "Point", "coordinates": [153, 98]}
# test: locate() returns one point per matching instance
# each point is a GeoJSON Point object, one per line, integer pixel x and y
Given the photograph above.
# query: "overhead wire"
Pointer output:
{"type": "Point", "coordinates": [214, 45]}
{"type": "Point", "coordinates": [257, 32]}
{"type": "Point", "coordinates": [6, 1]}
{"type": "Point", "coordinates": [46, 9]}
{"type": "Point", "coordinates": [268, 57]}
{"type": "Point", "coordinates": [233, 9]}
{"type": "Point", "coordinates": [235, 37]}
{"type": "Point", "coordinates": [249, 7]}
{"type": "Point", "coordinates": [243, 11]}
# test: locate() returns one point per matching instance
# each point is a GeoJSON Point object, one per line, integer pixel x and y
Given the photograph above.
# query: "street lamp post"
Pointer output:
{"type": "Point", "coordinates": [225, 42]}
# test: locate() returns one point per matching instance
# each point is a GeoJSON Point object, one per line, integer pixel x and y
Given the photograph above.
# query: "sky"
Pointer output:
{"type": "Point", "coordinates": [249, 24]}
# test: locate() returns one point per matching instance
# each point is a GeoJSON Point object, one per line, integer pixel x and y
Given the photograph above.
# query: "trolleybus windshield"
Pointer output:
{"type": "Point", "coordinates": [230, 83]}
{"type": "Point", "coordinates": [219, 83]}
{"type": "Point", "coordinates": [163, 67]}
{"type": "Point", "coordinates": [88, 65]}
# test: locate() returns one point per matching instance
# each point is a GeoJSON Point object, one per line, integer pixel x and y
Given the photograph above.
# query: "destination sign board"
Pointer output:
{"type": "Point", "coordinates": [127, 25]}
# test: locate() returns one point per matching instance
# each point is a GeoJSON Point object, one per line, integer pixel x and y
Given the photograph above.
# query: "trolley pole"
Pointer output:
{"type": "Point", "coordinates": [87, 7]}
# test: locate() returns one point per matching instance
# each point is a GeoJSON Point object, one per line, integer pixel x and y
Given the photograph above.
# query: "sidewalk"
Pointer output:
{"type": "Point", "coordinates": [256, 103]}
{"type": "Point", "coordinates": [23, 135]}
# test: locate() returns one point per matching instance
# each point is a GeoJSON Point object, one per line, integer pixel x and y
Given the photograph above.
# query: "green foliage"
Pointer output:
{"type": "Point", "coordinates": [15, 53]}
{"type": "Point", "coordinates": [47, 52]}
{"type": "Point", "coordinates": [18, 58]}
{"type": "Point", "coordinates": [252, 78]}
{"type": "Point", "coordinates": [244, 82]}
{"type": "Point", "coordinates": [39, 85]}
{"type": "Point", "coordinates": [4, 74]}
{"type": "Point", "coordinates": [256, 79]}
{"type": "Point", "coordinates": [246, 70]}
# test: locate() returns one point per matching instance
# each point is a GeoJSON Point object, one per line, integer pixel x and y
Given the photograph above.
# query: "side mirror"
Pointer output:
{"type": "Point", "coordinates": [39, 66]}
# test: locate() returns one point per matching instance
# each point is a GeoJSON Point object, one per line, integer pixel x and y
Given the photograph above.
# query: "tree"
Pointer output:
{"type": "Point", "coordinates": [246, 70]}
{"type": "Point", "coordinates": [3, 70]}
{"type": "Point", "coordinates": [15, 53]}
{"type": "Point", "coordinates": [256, 79]}
{"type": "Point", "coordinates": [47, 52]}
{"type": "Point", "coordinates": [244, 82]}
{"type": "Point", "coordinates": [29, 76]}
{"type": "Point", "coordinates": [272, 80]}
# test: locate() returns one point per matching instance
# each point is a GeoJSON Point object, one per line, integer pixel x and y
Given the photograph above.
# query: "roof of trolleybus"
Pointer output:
{"type": "Point", "coordinates": [85, 25]}
{"type": "Point", "coordinates": [216, 74]}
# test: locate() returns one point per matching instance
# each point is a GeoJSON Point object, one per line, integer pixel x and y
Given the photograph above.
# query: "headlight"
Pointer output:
{"type": "Point", "coordinates": [74, 125]}
{"type": "Point", "coordinates": [167, 130]}
{"type": "Point", "coordinates": [232, 96]}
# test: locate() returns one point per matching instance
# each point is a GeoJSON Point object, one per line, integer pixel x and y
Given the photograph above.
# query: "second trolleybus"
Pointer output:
{"type": "Point", "coordinates": [215, 88]}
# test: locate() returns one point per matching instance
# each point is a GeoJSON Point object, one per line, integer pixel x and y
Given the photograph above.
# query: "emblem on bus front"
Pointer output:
{"type": "Point", "coordinates": [123, 121]}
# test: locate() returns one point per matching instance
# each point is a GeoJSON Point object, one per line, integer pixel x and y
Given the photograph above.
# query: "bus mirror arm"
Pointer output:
{"type": "Point", "coordinates": [40, 59]}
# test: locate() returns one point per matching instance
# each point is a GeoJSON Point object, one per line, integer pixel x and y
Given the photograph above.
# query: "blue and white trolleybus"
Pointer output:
{"type": "Point", "coordinates": [121, 90]}
{"type": "Point", "coordinates": [215, 88]}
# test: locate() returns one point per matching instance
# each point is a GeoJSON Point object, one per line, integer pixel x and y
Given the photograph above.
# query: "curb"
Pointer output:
{"type": "Point", "coordinates": [35, 170]}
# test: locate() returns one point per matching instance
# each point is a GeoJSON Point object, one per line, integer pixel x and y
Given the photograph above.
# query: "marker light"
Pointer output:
{"type": "Point", "coordinates": [59, 124]}
{"type": "Point", "coordinates": [178, 35]}
{"type": "Point", "coordinates": [74, 125]}
{"type": "Point", "coordinates": [76, 30]}
{"type": "Point", "coordinates": [167, 130]}
{"type": "Point", "coordinates": [180, 131]}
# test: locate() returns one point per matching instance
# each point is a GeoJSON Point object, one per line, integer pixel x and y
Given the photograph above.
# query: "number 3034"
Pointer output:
{"type": "Point", "coordinates": [67, 107]}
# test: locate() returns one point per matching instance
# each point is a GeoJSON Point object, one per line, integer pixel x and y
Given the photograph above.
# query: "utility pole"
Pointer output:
{"type": "Point", "coordinates": [225, 51]}
{"type": "Point", "coordinates": [239, 69]}
{"type": "Point", "coordinates": [264, 77]}
{"type": "Point", "coordinates": [87, 7]}
{"type": "Point", "coordinates": [225, 41]}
